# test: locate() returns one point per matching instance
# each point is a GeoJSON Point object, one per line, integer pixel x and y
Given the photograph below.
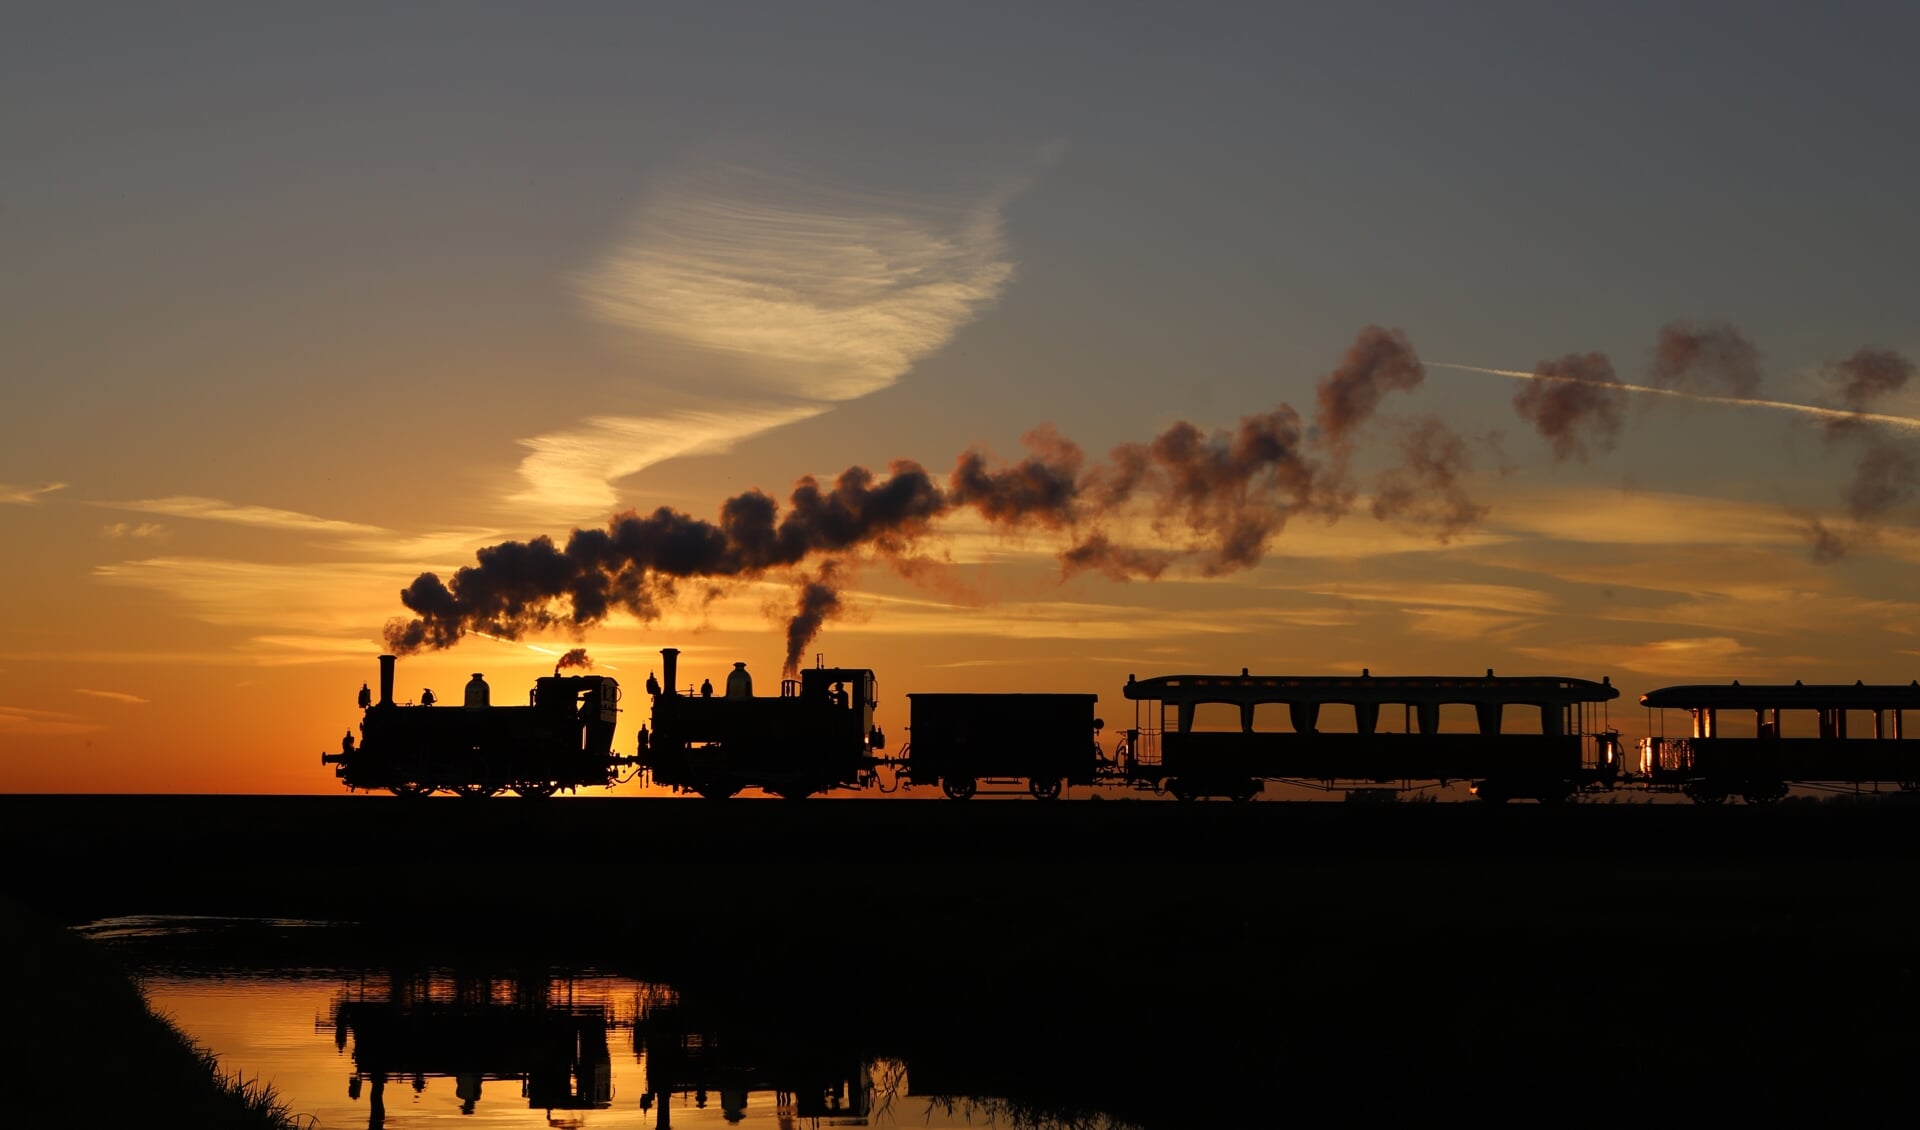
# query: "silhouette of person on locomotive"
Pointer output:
{"type": "Point", "coordinates": [706, 688]}
{"type": "Point", "coordinates": [653, 685]}
{"type": "Point", "coordinates": [426, 697]}
{"type": "Point", "coordinates": [366, 696]}
{"type": "Point", "coordinates": [346, 743]}
{"type": "Point", "coordinates": [837, 695]}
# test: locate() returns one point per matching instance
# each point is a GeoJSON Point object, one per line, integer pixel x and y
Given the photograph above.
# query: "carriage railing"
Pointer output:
{"type": "Point", "coordinates": [1659, 756]}
{"type": "Point", "coordinates": [1137, 752]}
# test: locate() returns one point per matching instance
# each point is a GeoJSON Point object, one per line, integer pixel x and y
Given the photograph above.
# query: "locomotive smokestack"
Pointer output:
{"type": "Point", "coordinates": [386, 680]}
{"type": "Point", "coordinates": [669, 668]}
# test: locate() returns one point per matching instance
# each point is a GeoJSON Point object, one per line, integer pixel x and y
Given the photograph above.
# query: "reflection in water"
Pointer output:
{"type": "Point", "coordinates": [520, 1043]}
{"type": "Point", "coordinates": [524, 1030]}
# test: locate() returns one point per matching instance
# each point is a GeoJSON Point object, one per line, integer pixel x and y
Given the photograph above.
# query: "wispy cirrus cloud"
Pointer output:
{"type": "Point", "coordinates": [572, 471]}
{"type": "Point", "coordinates": [25, 721]}
{"type": "Point", "coordinates": [113, 696]}
{"type": "Point", "coordinates": [833, 289]}
{"type": "Point", "coordinates": [329, 599]}
{"type": "Point", "coordinates": [27, 496]}
{"type": "Point", "coordinates": [810, 289]}
{"type": "Point", "coordinates": [134, 530]}
{"type": "Point", "coordinates": [218, 510]}
{"type": "Point", "coordinates": [1701, 658]}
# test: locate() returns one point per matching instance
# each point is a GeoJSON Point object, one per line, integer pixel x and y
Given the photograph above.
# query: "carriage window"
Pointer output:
{"type": "Point", "coordinates": [1860, 724]}
{"type": "Point", "coordinates": [1522, 718]}
{"type": "Point", "coordinates": [1731, 722]}
{"type": "Point", "coordinates": [1458, 718]}
{"type": "Point", "coordinates": [1216, 718]}
{"type": "Point", "coordinates": [1272, 718]}
{"type": "Point", "coordinates": [1337, 718]}
{"type": "Point", "coordinates": [1799, 723]}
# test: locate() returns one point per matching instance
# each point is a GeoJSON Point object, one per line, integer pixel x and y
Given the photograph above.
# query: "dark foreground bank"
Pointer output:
{"type": "Point", "coordinates": [81, 1036]}
{"type": "Point", "coordinates": [1164, 963]}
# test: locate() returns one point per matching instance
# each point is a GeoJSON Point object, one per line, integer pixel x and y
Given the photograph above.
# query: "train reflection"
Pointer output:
{"type": "Point", "coordinates": [547, 1035]}
{"type": "Point", "coordinates": [528, 1030]}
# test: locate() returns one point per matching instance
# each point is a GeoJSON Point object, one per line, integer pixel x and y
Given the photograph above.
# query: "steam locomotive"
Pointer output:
{"type": "Point", "coordinates": [1545, 738]}
{"type": "Point", "coordinates": [562, 739]}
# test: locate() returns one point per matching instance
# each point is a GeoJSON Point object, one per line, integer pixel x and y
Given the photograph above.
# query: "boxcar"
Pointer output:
{"type": "Point", "coordinates": [960, 740]}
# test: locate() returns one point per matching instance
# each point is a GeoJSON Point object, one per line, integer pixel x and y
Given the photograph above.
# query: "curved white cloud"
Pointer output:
{"type": "Point", "coordinates": [572, 472]}
{"type": "Point", "coordinates": [836, 289]}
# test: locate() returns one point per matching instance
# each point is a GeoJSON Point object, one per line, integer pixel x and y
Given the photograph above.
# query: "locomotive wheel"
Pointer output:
{"type": "Point", "coordinates": [1246, 792]}
{"type": "Point", "coordinates": [793, 792]}
{"type": "Point", "coordinates": [957, 788]}
{"type": "Point", "coordinates": [411, 790]}
{"type": "Point", "coordinates": [1045, 788]}
{"type": "Point", "coordinates": [1179, 791]}
{"type": "Point", "coordinates": [475, 792]}
{"type": "Point", "coordinates": [715, 792]}
{"type": "Point", "coordinates": [536, 789]}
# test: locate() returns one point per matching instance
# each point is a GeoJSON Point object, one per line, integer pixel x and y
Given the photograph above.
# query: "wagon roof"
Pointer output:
{"type": "Point", "coordinates": [1367, 687]}
{"type": "Point", "coordinates": [1789, 696]}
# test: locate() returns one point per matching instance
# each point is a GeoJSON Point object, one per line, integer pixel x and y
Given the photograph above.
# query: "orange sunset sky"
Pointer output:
{"type": "Point", "coordinates": [296, 305]}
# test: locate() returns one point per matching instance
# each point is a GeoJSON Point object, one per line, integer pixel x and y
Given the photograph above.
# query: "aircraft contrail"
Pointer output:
{"type": "Point", "coordinates": [1907, 423]}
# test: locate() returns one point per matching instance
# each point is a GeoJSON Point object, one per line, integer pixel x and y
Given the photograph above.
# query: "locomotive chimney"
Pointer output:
{"type": "Point", "coordinates": [386, 680]}
{"type": "Point", "coordinates": [669, 668]}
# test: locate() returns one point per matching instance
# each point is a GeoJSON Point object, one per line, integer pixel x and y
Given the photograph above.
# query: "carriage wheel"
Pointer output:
{"type": "Point", "coordinates": [792, 792]}
{"type": "Point", "coordinates": [475, 792]}
{"type": "Point", "coordinates": [1246, 792]}
{"type": "Point", "coordinates": [957, 788]}
{"type": "Point", "coordinates": [536, 789]}
{"type": "Point", "coordinates": [715, 792]}
{"type": "Point", "coordinates": [1045, 788]}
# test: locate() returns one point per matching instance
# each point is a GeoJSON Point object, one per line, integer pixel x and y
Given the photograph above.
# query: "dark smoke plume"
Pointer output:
{"type": "Point", "coordinates": [1378, 362]}
{"type": "Point", "coordinates": [819, 602]}
{"type": "Point", "coordinates": [574, 658]}
{"type": "Point", "coordinates": [1219, 497]}
{"type": "Point", "coordinates": [1869, 375]}
{"type": "Point", "coordinates": [1886, 472]}
{"type": "Point", "coordinates": [1042, 489]}
{"type": "Point", "coordinates": [1824, 544]}
{"type": "Point", "coordinates": [1425, 489]}
{"type": "Point", "coordinates": [1583, 406]}
{"type": "Point", "coordinates": [1713, 357]}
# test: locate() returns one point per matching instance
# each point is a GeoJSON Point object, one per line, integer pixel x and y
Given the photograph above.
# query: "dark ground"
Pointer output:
{"type": "Point", "coordinates": [1166, 963]}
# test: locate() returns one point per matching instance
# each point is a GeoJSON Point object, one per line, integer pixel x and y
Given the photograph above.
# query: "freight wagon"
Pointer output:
{"type": "Point", "coordinates": [961, 741]}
